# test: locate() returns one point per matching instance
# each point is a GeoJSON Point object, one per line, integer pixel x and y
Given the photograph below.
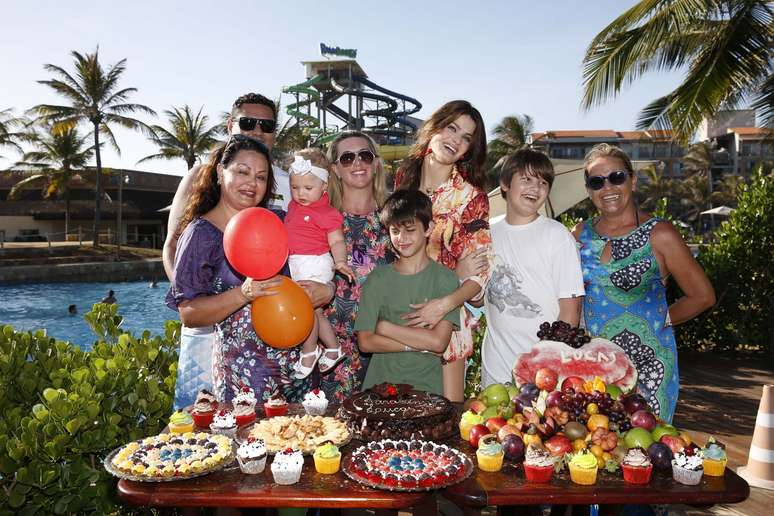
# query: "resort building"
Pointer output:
{"type": "Point", "coordinates": [143, 197]}
{"type": "Point", "coordinates": [643, 147]}
{"type": "Point", "coordinates": [738, 145]}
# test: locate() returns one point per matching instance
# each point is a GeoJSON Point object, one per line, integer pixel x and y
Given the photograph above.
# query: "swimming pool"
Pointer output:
{"type": "Point", "coordinates": [44, 305]}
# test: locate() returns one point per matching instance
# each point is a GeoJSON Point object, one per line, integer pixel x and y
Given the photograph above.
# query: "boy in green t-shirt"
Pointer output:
{"type": "Point", "coordinates": [403, 354]}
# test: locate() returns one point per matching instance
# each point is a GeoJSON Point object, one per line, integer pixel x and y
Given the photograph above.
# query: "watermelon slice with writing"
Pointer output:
{"type": "Point", "coordinates": [600, 357]}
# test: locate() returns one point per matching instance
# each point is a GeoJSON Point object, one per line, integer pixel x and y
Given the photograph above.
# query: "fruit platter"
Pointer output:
{"type": "Point", "coordinates": [560, 412]}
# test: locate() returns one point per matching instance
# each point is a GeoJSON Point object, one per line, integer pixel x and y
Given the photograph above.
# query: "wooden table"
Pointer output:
{"type": "Point", "coordinates": [508, 487]}
{"type": "Point", "coordinates": [231, 488]}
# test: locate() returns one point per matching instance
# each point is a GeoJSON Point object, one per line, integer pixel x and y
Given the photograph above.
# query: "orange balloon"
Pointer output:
{"type": "Point", "coordinates": [283, 320]}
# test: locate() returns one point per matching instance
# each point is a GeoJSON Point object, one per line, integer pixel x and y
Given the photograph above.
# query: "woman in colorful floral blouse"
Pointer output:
{"type": "Point", "coordinates": [446, 163]}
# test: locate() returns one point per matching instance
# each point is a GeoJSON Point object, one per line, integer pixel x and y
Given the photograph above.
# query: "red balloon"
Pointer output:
{"type": "Point", "coordinates": [283, 320]}
{"type": "Point", "coordinates": [256, 243]}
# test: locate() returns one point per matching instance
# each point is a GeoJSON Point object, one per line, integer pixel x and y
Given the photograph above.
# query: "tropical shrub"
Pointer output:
{"type": "Point", "coordinates": [64, 409]}
{"type": "Point", "coordinates": [740, 265]}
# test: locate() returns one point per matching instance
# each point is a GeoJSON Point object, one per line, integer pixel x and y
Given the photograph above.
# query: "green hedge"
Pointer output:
{"type": "Point", "coordinates": [64, 409]}
{"type": "Point", "coordinates": [740, 264]}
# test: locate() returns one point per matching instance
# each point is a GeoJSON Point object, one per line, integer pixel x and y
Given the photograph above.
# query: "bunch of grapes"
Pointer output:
{"type": "Point", "coordinates": [561, 331]}
{"type": "Point", "coordinates": [577, 404]}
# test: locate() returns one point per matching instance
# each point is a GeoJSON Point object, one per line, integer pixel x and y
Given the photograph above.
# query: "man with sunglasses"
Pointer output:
{"type": "Point", "coordinates": [251, 115]}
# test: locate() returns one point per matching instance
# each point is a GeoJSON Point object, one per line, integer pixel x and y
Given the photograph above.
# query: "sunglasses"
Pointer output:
{"type": "Point", "coordinates": [348, 158]}
{"type": "Point", "coordinates": [247, 123]}
{"type": "Point", "coordinates": [616, 177]}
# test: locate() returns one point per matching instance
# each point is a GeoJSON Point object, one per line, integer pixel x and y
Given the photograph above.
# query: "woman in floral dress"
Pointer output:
{"type": "Point", "coordinates": [206, 290]}
{"type": "Point", "coordinates": [446, 163]}
{"type": "Point", "coordinates": [627, 256]}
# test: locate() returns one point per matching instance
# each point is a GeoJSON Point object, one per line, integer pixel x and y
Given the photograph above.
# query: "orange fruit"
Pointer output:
{"type": "Point", "coordinates": [597, 421]}
{"type": "Point", "coordinates": [597, 451]}
{"type": "Point", "coordinates": [578, 445]}
{"type": "Point", "coordinates": [600, 462]}
{"type": "Point", "coordinates": [597, 384]}
{"type": "Point", "coordinates": [532, 439]}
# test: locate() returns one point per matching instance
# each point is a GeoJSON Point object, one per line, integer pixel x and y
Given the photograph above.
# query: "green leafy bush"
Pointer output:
{"type": "Point", "coordinates": [64, 409]}
{"type": "Point", "coordinates": [740, 265]}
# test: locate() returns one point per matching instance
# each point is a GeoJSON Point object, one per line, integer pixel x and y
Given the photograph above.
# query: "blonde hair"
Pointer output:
{"type": "Point", "coordinates": [335, 188]}
{"type": "Point", "coordinates": [605, 150]}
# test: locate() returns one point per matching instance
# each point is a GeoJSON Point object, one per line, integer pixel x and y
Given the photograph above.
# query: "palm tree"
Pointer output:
{"type": "Point", "coordinates": [94, 97]}
{"type": "Point", "coordinates": [8, 122]}
{"type": "Point", "coordinates": [59, 160]}
{"type": "Point", "coordinates": [698, 157]}
{"type": "Point", "coordinates": [188, 137]}
{"type": "Point", "coordinates": [654, 187]}
{"type": "Point", "coordinates": [724, 45]}
{"type": "Point", "coordinates": [509, 135]}
{"type": "Point", "coordinates": [694, 196]}
{"type": "Point", "coordinates": [728, 190]}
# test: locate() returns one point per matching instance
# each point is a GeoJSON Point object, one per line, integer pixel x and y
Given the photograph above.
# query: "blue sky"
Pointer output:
{"type": "Point", "coordinates": [506, 57]}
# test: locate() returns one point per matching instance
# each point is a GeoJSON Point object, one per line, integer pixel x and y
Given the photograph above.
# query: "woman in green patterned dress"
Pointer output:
{"type": "Point", "coordinates": [627, 255]}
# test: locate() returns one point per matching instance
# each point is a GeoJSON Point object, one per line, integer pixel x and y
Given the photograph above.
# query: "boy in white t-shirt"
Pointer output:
{"type": "Point", "coordinates": [536, 272]}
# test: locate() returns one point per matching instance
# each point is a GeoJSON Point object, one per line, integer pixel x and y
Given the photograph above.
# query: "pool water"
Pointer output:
{"type": "Point", "coordinates": [44, 306]}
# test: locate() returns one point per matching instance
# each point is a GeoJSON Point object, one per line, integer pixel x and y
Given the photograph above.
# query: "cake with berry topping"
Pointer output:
{"type": "Point", "coordinates": [407, 465]}
{"type": "Point", "coordinates": [166, 456]}
{"type": "Point", "coordinates": [396, 411]}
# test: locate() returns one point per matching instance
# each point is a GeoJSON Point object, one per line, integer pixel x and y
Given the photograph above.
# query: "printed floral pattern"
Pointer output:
{"type": "Point", "coordinates": [626, 303]}
{"type": "Point", "coordinates": [239, 357]}
{"type": "Point", "coordinates": [368, 245]}
{"type": "Point", "coordinates": [461, 217]}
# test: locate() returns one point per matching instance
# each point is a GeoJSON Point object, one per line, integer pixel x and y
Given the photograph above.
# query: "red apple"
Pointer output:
{"type": "Point", "coordinates": [675, 443]}
{"type": "Point", "coordinates": [476, 406]}
{"type": "Point", "coordinates": [476, 432]}
{"type": "Point", "coordinates": [546, 379]}
{"type": "Point", "coordinates": [494, 424]}
{"type": "Point", "coordinates": [558, 445]}
{"type": "Point", "coordinates": [644, 419]}
{"type": "Point", "coordinates": [573, 382]}
{"type": "Point", "coordinates": [507, 430]}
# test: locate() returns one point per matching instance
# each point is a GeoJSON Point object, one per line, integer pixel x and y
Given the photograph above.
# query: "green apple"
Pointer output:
{"type": "Point", "coordinates": [513, 391]}
{"type": "Point", "coordinates": [492, 411]}
{"type": "Point", "coordinates": [613, 390]}
{"type": "Point", "coordinates": [496, 394]}
{"type": "Point", "coordinates": [638, 437]}
{"type": "Point", "coordinates": [664, 429]}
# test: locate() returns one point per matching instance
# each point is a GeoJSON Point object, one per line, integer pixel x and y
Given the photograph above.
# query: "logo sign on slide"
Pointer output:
{"type": "Point", "coordinates": [326, 51]}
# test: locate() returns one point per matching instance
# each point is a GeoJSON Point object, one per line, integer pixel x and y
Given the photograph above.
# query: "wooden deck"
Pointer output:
{"type": "Point", "coordinates": [719, 395]}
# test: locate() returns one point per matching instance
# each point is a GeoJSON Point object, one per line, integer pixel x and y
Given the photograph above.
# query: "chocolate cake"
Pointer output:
{"type": "Point", "coordinates": [396, 411]}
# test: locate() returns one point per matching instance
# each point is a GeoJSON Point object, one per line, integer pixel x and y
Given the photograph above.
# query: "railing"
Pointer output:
{"type": "Point", "coordinates": [81, 236]}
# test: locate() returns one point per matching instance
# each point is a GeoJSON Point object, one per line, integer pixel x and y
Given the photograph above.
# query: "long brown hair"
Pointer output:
{"type": "Point", "coordinates": [205, 193]}
{"type": "Point", "coordinates": [472, 163]}
{"type": "Point", "coordinates": [335, 188]}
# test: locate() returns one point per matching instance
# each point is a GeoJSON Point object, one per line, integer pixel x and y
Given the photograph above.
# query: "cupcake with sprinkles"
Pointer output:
{"type": "Point", "coordinates": [224, 423]}
{"type": "Point", "coordinates": [286, 467]}
{"type": "Point", "coordinates": [251, 456]}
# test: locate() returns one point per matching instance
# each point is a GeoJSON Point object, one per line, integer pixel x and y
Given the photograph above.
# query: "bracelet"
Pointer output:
{"type": "Point", "coordinates": [406, 348]}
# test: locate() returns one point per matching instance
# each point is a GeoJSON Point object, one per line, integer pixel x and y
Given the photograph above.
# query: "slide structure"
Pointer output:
{"type": "Point", "coordinates": [371, 108]}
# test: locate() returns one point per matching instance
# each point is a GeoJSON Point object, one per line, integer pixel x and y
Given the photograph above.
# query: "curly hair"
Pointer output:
{"type": "Point", "coordinates": [335, 189]}
{"type": "Point", "coordinates": [205, 193]}
{"type": "Point", "coordinates": [472, 163]}
{"type": "Point", "coordinates": [254, 98]}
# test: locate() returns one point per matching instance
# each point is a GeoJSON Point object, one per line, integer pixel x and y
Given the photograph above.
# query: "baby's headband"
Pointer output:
{"type": "Point", "coordinates": [302, 167]}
